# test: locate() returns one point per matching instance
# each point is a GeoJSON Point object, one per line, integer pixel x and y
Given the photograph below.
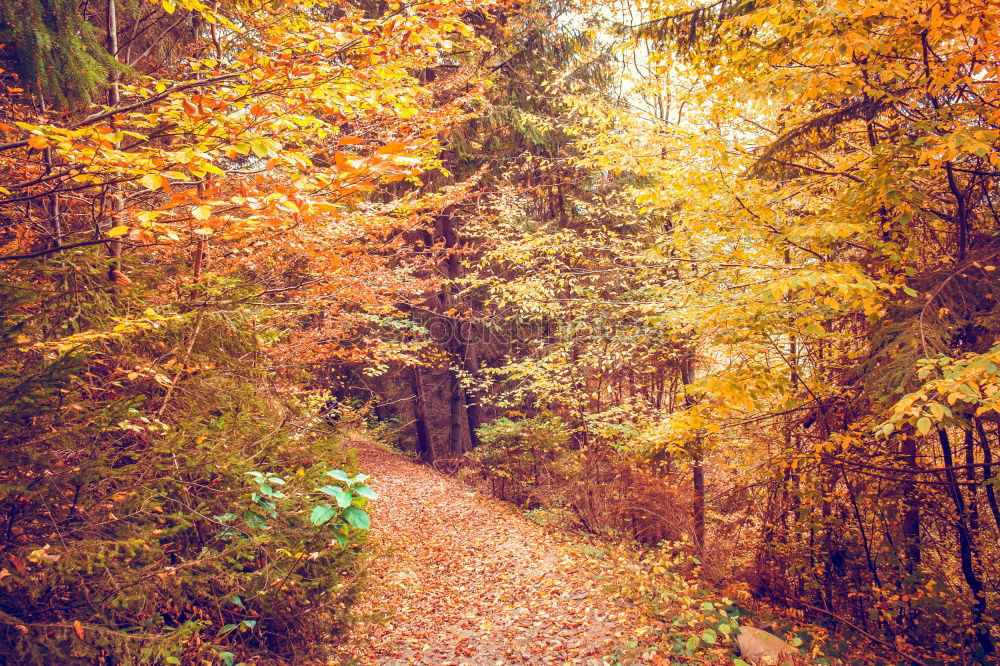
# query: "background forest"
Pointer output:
{"type": "Point", "coordinates": [713, 281]}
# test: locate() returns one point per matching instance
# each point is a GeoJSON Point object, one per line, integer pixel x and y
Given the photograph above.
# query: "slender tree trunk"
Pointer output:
{"type": "Point", "coordinates": [697, 466]}
{"type": "Point", "coordinates": [470, 362]}
{"type": "Point", "coordinates": [911, 526]}
{"type": "Point", "coordinates": [112, 29]}
{"type": "Point", "coordinates": [972, 488]}
{"type": "Point", "coordinates": [55, 212]}
{"type": "Point", "coordinates": [199, 245]}
{"type": "Point", "coordinates": [991, 497]}
{"type": "Point", "coordinates": [911, 518]}
{"type": "Point", "coordinates": [698, 479]}
{"type": "Point", "coordinates": [114, 98]}
{"type": "Point", "coordinates": [425, 446]}
{"type": "Point", "coordinates": [461, 441]}
{"type": "Point", "coordinates": [862, 531]}
{"type": "Point", "coordinates": [966, 547]}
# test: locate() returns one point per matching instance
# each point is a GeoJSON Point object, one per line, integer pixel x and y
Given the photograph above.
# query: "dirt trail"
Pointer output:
{"type": "Point", "coordinates": [462, 578]}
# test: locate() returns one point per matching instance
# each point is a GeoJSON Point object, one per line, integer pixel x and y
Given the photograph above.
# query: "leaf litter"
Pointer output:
{"type": "Point", "coordinates": [462, 579]}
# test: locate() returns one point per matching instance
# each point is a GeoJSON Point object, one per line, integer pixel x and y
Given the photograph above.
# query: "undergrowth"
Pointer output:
{"type": "Point", "coordinates": [164, 495]}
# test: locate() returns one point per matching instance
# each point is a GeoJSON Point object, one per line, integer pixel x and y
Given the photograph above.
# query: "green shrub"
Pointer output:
{"type": "Point", "coordinates": [538, 463]}
{"type": "Point", "coordinates": [519, 458]}
{"type": "Point", "coordinates": [158, 490]}
{"type": "Point", "coordinates": [177, 546]}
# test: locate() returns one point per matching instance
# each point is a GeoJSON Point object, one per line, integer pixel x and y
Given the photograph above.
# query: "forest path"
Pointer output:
{"type": "Point", "coordinates": [462, 578]}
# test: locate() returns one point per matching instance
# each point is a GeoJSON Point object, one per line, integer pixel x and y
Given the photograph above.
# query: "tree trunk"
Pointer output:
{"type": "Point", "coordinates": [698, 477]}
{"type": "Point", "coordinates": [425, 446]}
{"type": "Point", "coordinates": [697, 468]}
{"type": "Point", "coordinates": [966, 549]}
{"type": "Point", "coordinates": [911, 519]}
{"type": "Point", "coordinates": [461, 441]}
{"type": "Point", "coordinates": [114, 98]}
{"type": "Point", "coordinates": [991, 497]}
{"type": "Point", "coordinates": [470, 362]}
{"type": "Point", "coordinates": [465, 416]}
{"type": "Point", "coordinates": [972, 487]}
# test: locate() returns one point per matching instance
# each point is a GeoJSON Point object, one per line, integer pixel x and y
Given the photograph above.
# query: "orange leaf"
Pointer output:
{"type": "Point", "coordinates": [350, 140]}
{"type": "Point", "coordinates": [78, 628]}
{"type": "Point", "coordinates": [346, 162]}
{"type": "Point", "coordinates": [391, 148]}
{"type": "Point", "coordinates": [18, 564]}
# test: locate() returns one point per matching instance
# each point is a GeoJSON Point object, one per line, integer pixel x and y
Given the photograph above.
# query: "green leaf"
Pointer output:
{"type": "Point", "coordinates": [709, 636]}
{"type": "Point", "coordinates": [228, 658]}
{"type": "Point", "coordinates": [725, 628]}
{"type": "Point", "coordinates": [322, 514]}
{"type": "Point", "coordinates": [238, 602]}
{"type": "Point", "coordinates": [254, 519]}
{"type": "Point", "coordinates": [692, 644]}
{"type": "Point", "coordinates": [739, 662]}
{"type": "Point", "coordinates": [339, 475]}
{"type": "Point", "coordinates": [366, 492]}
{"type": "Point", "coordinates": [923, 425]}
{"type": "Point", "coordinates": [250, 624]}
{"type": "Point", "coordinates": [343, 497]}
{"type": "Point", "coordinates": [357, 518]}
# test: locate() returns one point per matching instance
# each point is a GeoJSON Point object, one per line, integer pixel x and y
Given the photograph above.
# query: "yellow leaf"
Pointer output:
{"type": "Point", "coordinates": [151, 181]}
{"type": "Point", "coordinates": [117, 232]}
{"type": "Point", "coordinates": [259, 147]}
{"type": "Point", "coordinates": [201, 212]}
{"type": "Point", "coordinates": [148, 215]}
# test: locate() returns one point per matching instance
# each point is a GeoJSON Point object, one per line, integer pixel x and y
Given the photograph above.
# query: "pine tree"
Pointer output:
{"type": "Point", "coordinates": [57, 53]}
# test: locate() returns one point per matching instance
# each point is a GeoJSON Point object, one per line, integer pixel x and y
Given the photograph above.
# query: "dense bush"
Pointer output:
{"type": "Point", "coordinates": [534, 463]}
{"type": "Point", "coordinates": [521, 459]}
{"type": "Point", "coordinates": [158, 492]}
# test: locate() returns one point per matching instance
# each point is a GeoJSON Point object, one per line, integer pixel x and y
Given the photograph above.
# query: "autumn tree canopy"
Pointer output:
{"type": "Point", "coordinates": [714, 280]}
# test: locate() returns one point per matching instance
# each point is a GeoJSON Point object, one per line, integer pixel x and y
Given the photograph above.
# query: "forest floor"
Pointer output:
{"type": "Point", "coordinates": [462, 578]}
